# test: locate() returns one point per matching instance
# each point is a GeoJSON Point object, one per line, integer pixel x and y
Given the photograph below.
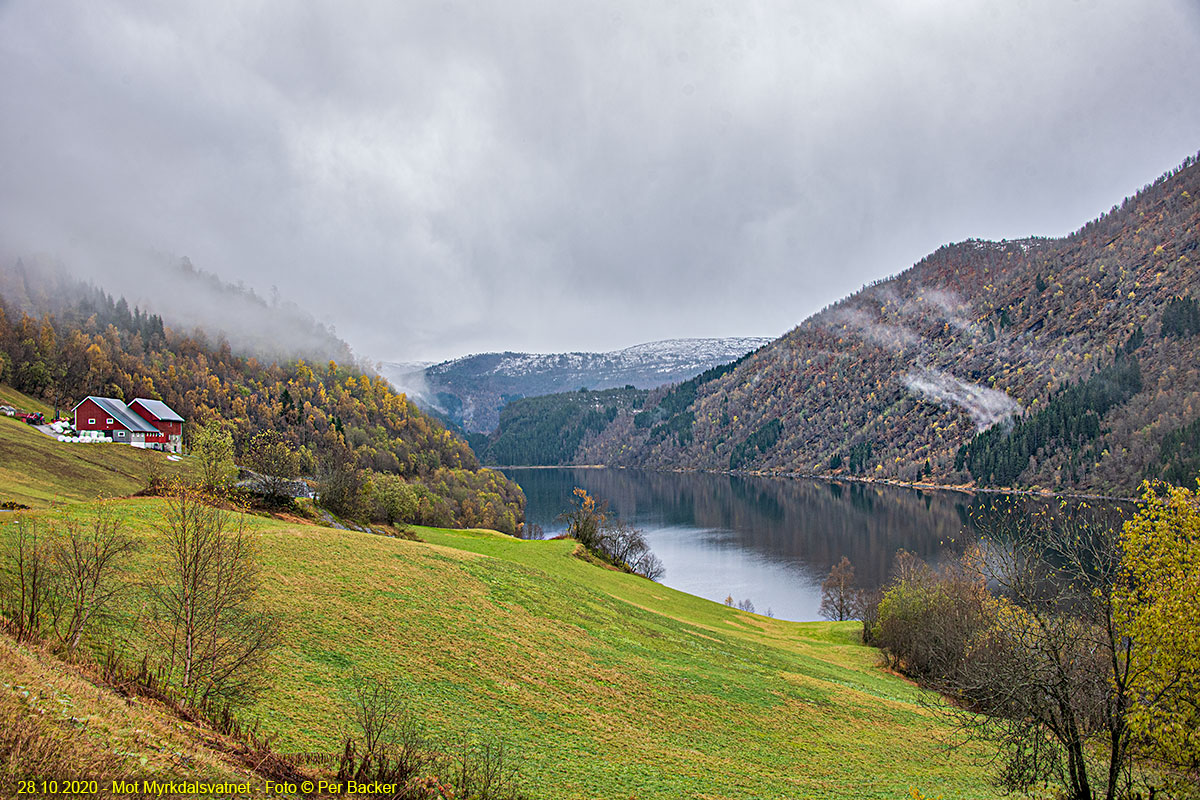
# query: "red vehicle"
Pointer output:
{"type": "Point", "coordinates": [35, 418]}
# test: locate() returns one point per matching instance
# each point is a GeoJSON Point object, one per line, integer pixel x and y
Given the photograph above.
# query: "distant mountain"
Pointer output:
{"type": "Point", "coordinates": [471, 391]}
{"type": "Point", "coordinates": [1069, 364]}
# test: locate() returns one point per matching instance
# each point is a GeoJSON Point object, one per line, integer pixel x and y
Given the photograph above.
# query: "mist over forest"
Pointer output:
{"type": "Point", "coordinates": [189, 299]}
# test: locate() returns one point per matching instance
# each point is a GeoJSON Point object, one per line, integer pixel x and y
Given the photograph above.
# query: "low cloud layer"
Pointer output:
{"type": "Point", "coordinates": [438, 178]}
{"type": "Point", "coordinates": [986, 406]}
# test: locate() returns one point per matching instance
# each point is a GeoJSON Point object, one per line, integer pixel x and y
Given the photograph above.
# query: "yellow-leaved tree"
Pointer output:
{"type": "Point", "coordinates": [1157, 608]}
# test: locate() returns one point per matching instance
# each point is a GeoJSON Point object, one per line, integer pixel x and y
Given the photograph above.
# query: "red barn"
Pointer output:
{"type": "Point", "coordinates": [143, 423]}
{"type": "Point", "coordinates": [165, 420]}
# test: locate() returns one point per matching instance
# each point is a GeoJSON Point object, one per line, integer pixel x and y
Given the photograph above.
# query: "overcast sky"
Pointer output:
{"type": "Point", "coordinates": [440, 178]}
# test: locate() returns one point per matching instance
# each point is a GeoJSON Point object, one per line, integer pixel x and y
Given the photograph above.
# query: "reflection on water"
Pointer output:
{"type": "Point", "coordinates": [768, 540]}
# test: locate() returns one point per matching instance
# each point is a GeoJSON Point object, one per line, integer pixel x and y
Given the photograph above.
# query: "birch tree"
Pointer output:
{"type": "Point", "coordinates": [88, 559]}
{"type": "Point", "coordinates": [215, 634]}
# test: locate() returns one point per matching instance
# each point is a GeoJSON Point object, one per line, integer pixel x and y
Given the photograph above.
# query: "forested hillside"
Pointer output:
{"type": "Point", "coordinates": [334, 416]}
{"type": "Point", "coordinates": [548, 430]}
{"type": "Point", "coordinates": [1097, 329]}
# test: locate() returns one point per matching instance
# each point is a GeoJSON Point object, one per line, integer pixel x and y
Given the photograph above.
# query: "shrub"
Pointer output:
{"type": "Point", "coordinates": [927, 618]}
{"type": "Point", "coordinates": [275, 463]}
{"type": "Point", "coordinates": [393, 499]}
{"type": "Point", "coordinates": [610, 539]}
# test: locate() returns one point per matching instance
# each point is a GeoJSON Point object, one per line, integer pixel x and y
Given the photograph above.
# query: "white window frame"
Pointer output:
{"type": "Point", "coordinates": [120, 434]}
{"type": "Point", "coordinates": [109, 422]}
{"type": "Point", "coordinates": [91, 422]}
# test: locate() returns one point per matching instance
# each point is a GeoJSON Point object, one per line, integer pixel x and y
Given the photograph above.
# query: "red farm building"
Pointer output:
{"type": "Point", "coordinates": [143, 423]}
{"type": "Point", "coordinates": [166, 421]}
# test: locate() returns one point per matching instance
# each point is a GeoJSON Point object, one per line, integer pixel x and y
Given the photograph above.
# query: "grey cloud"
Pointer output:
{"type": "Point", "coordinates": [436, 178]}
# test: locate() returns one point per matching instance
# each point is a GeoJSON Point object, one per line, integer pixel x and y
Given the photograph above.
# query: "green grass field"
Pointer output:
{"type": "Point", "coordinates": [609, 685]}
{"type": "Point", "coordinates": [37, 470]}
{"type": "Point", "coordinates": [602, 684]}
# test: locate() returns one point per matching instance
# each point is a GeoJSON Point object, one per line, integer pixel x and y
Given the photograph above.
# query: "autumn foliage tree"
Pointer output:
{"type": "Point", "coordinates": [275, 464]}
{"type": "Point", "coordinates": [1070, 647]}
{"type": "Point", "coordinates": [212, 447]}
{"type": "Point", "coordinates": [1157, 607]}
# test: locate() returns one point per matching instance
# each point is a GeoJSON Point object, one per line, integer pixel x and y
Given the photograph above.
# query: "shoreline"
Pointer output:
{"type": "Point", "coordinates": [960, 488]}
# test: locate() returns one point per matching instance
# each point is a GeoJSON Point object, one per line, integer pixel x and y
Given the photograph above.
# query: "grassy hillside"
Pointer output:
{"type": "Point", "coordinates": [56, 724]}
{"type": "Point", "coordinates": [602, 684]}
{"type": "Point", "coordinates": [36, 470]}
{"type": "Point", "coordinates": [22, 402]}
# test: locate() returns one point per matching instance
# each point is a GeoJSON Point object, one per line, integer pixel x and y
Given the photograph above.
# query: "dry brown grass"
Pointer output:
{"type": "Point", "coordinates": [33, 748]}
{"type": "Point", "coordinates": [55, 724]}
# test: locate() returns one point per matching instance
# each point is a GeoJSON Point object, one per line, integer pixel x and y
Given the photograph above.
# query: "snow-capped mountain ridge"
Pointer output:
{"type": "Point", "coordinates": [669, 355]}
{"type": "Point", "coordinates": [472, 390]}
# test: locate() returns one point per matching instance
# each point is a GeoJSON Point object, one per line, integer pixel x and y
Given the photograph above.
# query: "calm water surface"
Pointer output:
{"type": "Point", "coordinates": [768, 540]}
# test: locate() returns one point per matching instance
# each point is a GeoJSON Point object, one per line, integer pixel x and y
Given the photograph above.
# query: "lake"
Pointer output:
{"type": "Point", "coordinates": [769, 540]}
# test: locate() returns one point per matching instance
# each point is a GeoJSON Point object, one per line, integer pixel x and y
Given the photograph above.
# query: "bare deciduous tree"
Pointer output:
{"type": "Point", "coordinates": [88, 559]}
{"type": "Point", "coordinates": [648, 565]}
{"type": "Point", "coordinates": [622, 542]}
{"type": "Point", "coordinates": [1052, 674]}
{"type": "Point", "coordinates": [386, 744]}
{"type": "Point", "coordinates": [206, 616]}
{"type": "Point", "coordinates": [866, 608]}
{"type": "Point", "coordinates": [30, 584]}
{"type": "Point", "coordinates": [377, 711]}
{"type": "Point", "coordinates": [838, 592]}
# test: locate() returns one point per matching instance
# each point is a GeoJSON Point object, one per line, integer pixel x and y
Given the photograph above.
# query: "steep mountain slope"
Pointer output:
{"type": "Point", "coordinates": [471, 390]}
{"type": "Point", "coordinates": [892, 381]}
{"type": "Point", "coordinates": [548, 429]}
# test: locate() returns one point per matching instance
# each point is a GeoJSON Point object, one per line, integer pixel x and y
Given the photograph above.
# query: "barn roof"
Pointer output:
{"type": "Point", "coordinates": [158, 409]}
{"type": "Point", "coordinates": [121, 413]}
